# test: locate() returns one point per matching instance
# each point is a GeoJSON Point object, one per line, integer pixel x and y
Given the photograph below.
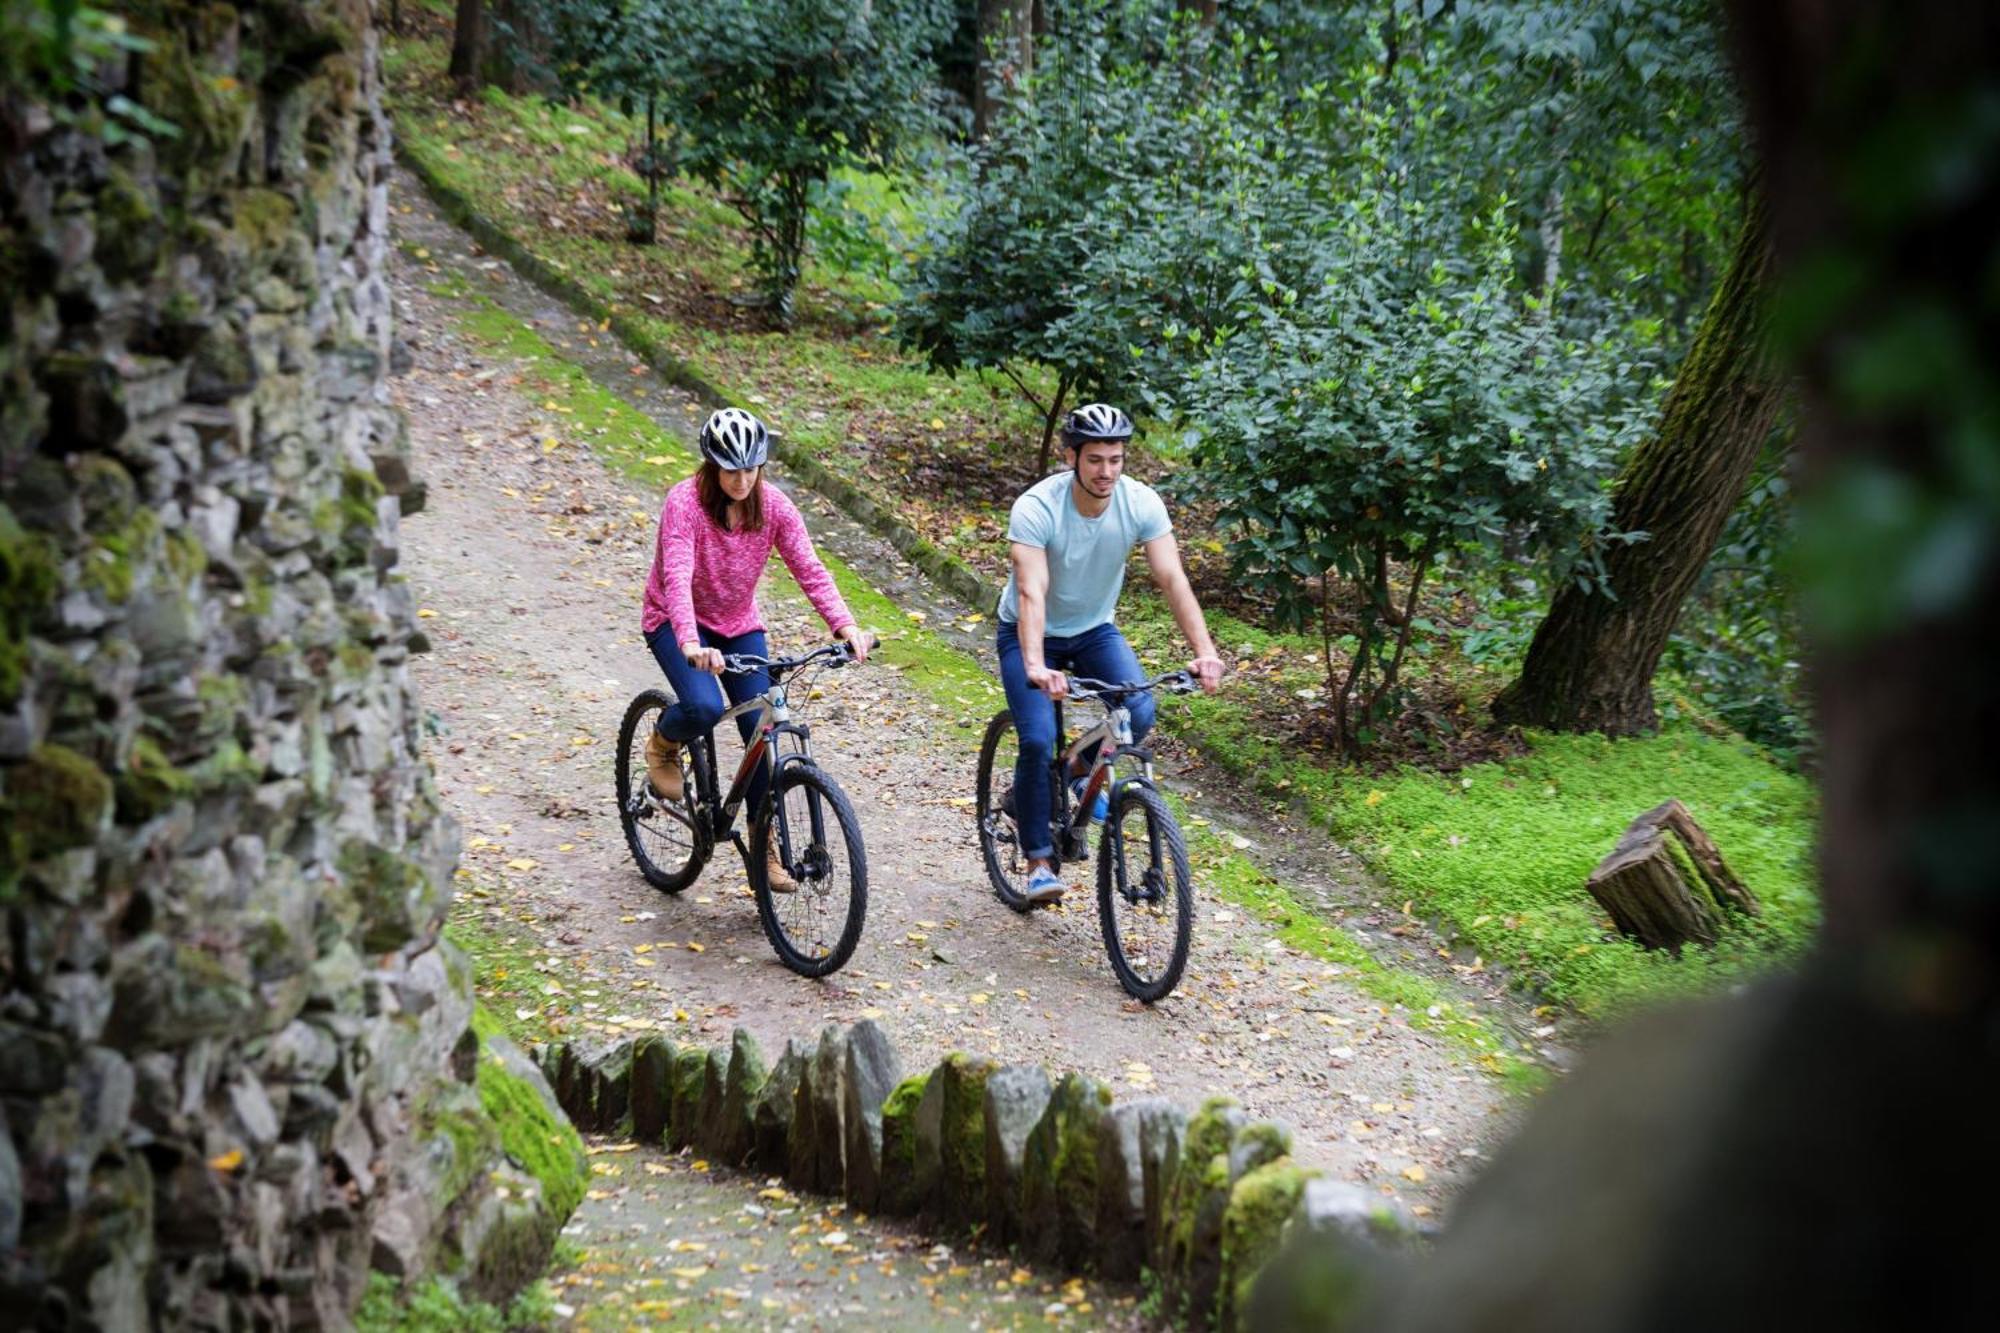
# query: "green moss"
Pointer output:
{"type": "Point", "coordinates": [1259, 1206]}
{"type": "Point", "coordinates": [962, 1136]}
{"type": "Point", "coordinates": [684, 1107]}
{"type": "Point", "coordinates": [1502, 852]}
{"type": "Point", "coordinates": [536, 1139]}
{"type": "Point", "coordinates": [435, 1306]}
{"type": "Point", "coordinates": [899, 1148]}
{"type": "Point", "coordinates": [264, 219]}
{"type": "Point", "coordinates": [228, 766]}
{"type": "Point", "coordinates": [128, 227]}
{"type": "Point", "coordinates": [28, 581]}
{"type": "Point", "coordinates": [55, 799]}
{"type": "Point", "coordinates": [474, 1135]}
{"type": "Point", "coordinates": [148, 783]}
{"type": "Point", "coordinates": [185, 556]}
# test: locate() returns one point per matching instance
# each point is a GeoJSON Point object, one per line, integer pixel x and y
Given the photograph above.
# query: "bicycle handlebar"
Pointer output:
{"type": "Point", "coordinates": [838, 654]}
{"type": "Point", "coordinates": [1174, 682]}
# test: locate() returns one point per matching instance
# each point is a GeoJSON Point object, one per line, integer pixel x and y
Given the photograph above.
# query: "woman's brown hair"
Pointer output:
{"type": "Point", "coordinates": [715, 501]}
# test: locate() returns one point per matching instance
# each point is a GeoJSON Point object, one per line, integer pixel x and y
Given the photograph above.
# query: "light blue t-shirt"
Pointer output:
{"type": "Point", "coordinates": [1086, 555]}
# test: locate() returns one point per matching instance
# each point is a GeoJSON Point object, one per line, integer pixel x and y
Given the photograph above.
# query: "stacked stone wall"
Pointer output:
{"type": "Point", "coordinates": [1210, 1206]}
{"type": "Point", "coordinates": [237, 1067]}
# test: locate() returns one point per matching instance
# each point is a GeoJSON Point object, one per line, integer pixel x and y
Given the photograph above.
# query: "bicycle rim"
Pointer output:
{"type": "Point", "coordinates": [815, 928]}
{"type": "Point", "coordinates": [664, 840]}
{"type": "Point", "coordinates": [999, 840]}
{"type": "Point", "coordinates": [1145, 896]}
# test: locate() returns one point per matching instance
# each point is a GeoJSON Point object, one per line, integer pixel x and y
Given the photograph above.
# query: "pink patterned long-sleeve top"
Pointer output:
{"type": "Point", "coordinates": [704, 575]}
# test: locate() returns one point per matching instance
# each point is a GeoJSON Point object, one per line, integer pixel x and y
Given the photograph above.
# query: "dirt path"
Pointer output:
{"type": "Point", "coordinates": [528, 564]}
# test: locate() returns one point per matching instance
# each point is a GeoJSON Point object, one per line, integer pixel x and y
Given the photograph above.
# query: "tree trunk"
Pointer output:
{"type": "Point", "coordinates": [1590, 666]}
{"type": "Point", "coordinates": [468, 46]}
{"type": "Point", "coordinates": [1006, 57]}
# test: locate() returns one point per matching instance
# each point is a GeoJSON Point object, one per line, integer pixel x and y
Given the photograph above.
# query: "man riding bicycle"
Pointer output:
{"type": "Point", "coordinates": [1069, 537]}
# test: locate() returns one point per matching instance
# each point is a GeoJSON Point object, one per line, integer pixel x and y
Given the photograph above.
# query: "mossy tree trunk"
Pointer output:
{"type": "Point", "coordinates": [1591, 664]}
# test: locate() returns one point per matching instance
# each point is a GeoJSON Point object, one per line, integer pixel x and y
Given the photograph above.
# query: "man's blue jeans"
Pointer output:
{"type": "Point", "coordinates": [699, 695]}
{"type": "Point", "coordinates": [1100, 653]}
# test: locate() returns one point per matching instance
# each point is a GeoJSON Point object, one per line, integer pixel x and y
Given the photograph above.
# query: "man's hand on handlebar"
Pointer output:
{"type": "Point", "coordinates": [1207, 672]}
{"type": "Point", "coordinates": [1051, 683]}
{"type": "Point", "coordinates": [703, 659]}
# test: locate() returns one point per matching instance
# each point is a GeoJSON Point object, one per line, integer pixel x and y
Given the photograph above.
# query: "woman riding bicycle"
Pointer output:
{"type": "Point", "coordinates": [717, 531]}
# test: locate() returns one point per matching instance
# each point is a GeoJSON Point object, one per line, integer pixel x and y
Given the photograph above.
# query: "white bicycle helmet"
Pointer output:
{"type": "Point", "coordinates": [734, 440]}
{"type": "Point", "coordinates": [1096, 421]}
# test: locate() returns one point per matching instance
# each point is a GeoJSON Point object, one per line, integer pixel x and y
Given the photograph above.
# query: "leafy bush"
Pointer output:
{"type": "Point", "coordinates": [774, 96]}
{"type": "Point", "coordinates": [1410, 402]}
{"type": "Point", "coordinates": [70, 54]}
{"type": "Point", "coordinates": [1098, 211]}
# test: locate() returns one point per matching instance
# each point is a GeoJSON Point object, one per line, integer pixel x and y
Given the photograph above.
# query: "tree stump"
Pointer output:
{"type": "Point", "coordinates": [1644, 884]}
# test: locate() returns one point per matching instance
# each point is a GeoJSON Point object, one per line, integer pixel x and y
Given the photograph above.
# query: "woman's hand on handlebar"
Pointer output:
{"type": "Point", "coordinates": [858, 641]}
{"type": "Point", "coordinates": [703, 659]}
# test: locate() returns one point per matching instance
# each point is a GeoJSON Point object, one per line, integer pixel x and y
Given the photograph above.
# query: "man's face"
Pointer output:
{"type": "Point", "coordinates": [1098, 465]}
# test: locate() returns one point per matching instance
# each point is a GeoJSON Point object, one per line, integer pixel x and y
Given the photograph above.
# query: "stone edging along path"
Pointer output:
{"type": "Point", "coordinates": [949, 572]}
{"type": "Point", "coordinates": [1059, 1172]}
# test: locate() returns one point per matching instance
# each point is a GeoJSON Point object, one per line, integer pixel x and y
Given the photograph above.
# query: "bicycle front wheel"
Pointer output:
{"type": "Point", "coordinates": [999, 839]}
{"type": "Point", "coordinates": [1145, 897]}
{"type": "Point", "coordinates": [665, 838]}
{"type": "Point", "coordinates": [815, 927]}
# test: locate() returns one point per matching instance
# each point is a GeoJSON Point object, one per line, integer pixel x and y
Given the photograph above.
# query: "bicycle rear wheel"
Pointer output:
{"type": "Point", "coordinates": [666, 840]}
{"type": "Point", "coordinates": [1145, 896]}
{"type": "Point", "coordinates": [813, 929]}
{"type": "Point", "coordinates": [999, 839]}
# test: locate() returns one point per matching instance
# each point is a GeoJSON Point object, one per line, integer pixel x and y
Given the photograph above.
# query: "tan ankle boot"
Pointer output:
{"type": "Point", "coordinates": [774, 870]}
{"type": "Point", "coordinates": [663, 766]}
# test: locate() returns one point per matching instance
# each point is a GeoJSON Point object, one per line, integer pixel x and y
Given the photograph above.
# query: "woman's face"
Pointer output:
{"type": "Point", "coordinates": [738, 485]}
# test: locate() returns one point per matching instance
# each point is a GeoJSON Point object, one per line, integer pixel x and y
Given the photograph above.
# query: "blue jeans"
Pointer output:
{"type": "Point", "coordinates": [1100, 653]}
{"type": "Point", "coordinates": [700, 704]}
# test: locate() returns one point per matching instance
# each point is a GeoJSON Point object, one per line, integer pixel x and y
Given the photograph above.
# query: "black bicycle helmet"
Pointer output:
{"type": "Point", "coordinates": [1095, 421]}
{"type": "Point", "coordinates": [734, 440]}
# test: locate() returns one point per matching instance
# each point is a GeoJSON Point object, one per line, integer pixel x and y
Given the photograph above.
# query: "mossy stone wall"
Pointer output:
{"type": "Point", "coordinates": [236, 1064]}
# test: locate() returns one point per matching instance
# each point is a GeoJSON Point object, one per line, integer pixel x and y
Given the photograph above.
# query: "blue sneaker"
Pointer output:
{"type": "Point", "coordinates": [1100, 809]}
{"type": "Point", "coordinates": [1044, 886]}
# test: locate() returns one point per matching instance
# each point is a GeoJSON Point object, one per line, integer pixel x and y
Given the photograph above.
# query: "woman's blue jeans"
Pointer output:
{"type": "Point", "coordinates": [700, 696]}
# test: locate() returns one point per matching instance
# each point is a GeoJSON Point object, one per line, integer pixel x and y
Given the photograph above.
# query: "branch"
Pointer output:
{"type": "Point", "coordinates": [1026, 392]}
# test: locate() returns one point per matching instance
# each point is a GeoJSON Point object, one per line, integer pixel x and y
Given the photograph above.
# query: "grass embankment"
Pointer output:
{"type": "Point", "coordinates": [1495, 853]}
{"type": "Point", "coordinates": [1498, 852]}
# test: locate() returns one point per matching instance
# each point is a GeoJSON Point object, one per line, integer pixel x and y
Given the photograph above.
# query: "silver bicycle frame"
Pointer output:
{"type": "Point", "coordinates": [773, 711]}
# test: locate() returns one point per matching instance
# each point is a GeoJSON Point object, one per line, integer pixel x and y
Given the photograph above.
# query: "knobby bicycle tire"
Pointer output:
{"type": "Point", "coordinates": [829, 812]}
{"type": "Point", "coordinates": [1167, 850]}
{"type": "Point", "coordinates": [986, 807]}
{"type": "Point", "coordinates": [666, 878]}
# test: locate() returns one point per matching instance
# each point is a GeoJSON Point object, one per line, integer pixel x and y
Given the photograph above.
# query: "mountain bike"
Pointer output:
{"type": "Point", "coordinates": [1145, 897]}
{"type": "Point", "coordinates": [814, 930]}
